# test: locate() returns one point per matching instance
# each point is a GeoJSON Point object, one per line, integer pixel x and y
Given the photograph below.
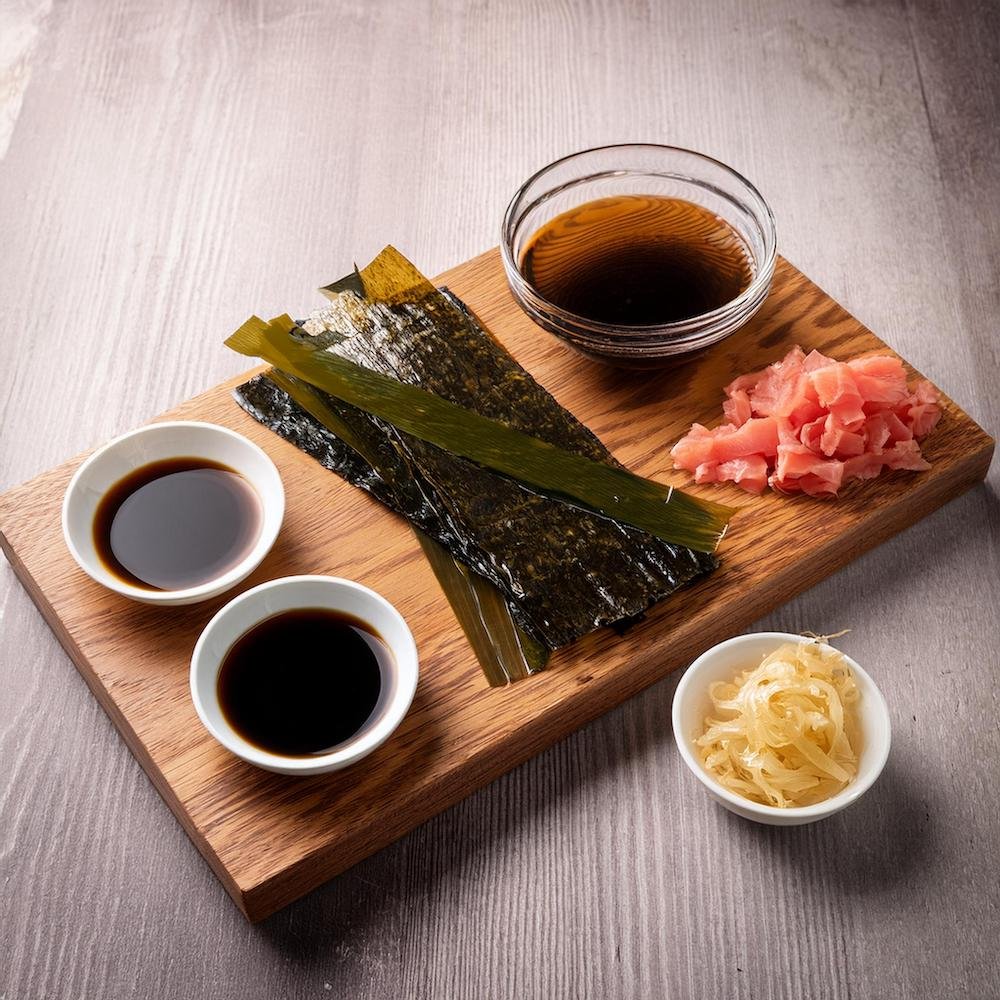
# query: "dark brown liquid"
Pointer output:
{"type": "Point", "coordinates": [176, 523]}
{"type": "Point", "coordinates": [638, 260]}
{"type": "Point", "coordinates": [304, 681]}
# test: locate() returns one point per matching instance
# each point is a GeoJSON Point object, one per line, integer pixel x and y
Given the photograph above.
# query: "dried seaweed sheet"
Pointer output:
{"type": "Point", "coordinates": [565, 571]}
{"type": "Point", "coordinates": [493, 445]}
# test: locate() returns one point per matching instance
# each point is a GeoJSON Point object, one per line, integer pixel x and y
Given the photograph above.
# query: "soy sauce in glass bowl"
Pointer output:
{"type": "Point", "coordinates": [639, 253]}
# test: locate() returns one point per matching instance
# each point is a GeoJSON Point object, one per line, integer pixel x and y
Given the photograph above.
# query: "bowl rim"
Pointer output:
{"type": "Point", "coordinates": [761, 279]}
{"type": "Point", "coordinates": [407, 676]}
{"type": "Point", "coordinates": [272, 505]}
{"type": "Point", "coordinates": [817, 810]}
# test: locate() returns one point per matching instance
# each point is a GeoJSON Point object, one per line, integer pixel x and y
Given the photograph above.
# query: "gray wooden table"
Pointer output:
{"type": "Point", "coordinates": [167, 168]}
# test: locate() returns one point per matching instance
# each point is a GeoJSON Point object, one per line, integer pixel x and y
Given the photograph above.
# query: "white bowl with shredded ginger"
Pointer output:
{"type": "Point", "coordinates": [781, 728]}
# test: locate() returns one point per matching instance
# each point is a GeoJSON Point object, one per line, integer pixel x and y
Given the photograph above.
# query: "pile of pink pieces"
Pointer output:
{"type": "Point", "coordinates": [808, 424]}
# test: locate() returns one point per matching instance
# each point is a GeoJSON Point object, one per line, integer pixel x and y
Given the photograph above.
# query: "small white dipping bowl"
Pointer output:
{"type": "Point", "coordinates": [260, 603]}
{"type": "Point", "coordinates": [153, 443]}
{"type": "Point", "coordinates": [721, 663]}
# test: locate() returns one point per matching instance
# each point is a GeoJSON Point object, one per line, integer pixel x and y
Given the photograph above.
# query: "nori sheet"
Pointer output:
{"type": "Point", "coordinates": [564, 571]}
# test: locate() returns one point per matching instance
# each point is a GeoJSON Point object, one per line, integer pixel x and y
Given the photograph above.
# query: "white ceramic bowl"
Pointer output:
{"type": "Point", "coordinates": [171, 439]}
{"type": "Point", "coordinates": [721, 663]}
{"type": "Point", "coordinates": [249, 609]}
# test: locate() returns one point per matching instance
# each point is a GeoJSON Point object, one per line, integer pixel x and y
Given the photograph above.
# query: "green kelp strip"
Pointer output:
{"type": "Point", "coordinates": [615, 493]}
{"type": "Point", "coordinates": [504, 650]}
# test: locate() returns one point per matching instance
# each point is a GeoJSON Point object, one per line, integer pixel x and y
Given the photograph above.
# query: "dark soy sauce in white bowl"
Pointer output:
{"type": "Point", "coordinates": [304, 681]}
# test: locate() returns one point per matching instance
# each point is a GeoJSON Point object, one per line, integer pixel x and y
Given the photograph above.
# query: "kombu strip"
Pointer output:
{"type": "Point", "coordinates": [563, 571]}
{"type": "Point", "coordinates": [560, 475]}
{"type": "Point", "coordinates": [505, 652]}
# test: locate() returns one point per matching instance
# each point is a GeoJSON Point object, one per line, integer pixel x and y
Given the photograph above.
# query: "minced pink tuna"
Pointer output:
{"type": "Point", "coordinates": [809, 424]}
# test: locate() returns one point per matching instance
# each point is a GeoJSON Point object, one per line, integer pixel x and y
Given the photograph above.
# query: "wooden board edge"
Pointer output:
{"type": "Point", "coordinates": [262, 899]}
{"type": "Point", "coordinates": [119, 721]}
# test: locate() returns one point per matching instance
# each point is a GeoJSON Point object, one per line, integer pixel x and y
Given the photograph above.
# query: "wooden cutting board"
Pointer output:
{"type": "Point", "coordinates": [269, 838]}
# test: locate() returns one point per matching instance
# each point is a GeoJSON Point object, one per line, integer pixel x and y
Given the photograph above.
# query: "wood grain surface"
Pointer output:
{"type": "Point", "coordinates": [271, 838]}
{"type": "Point", "coordinates": [172, 165]}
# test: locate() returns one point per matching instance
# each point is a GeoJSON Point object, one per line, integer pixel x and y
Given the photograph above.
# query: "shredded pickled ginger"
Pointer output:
{"type": "Point", "coordinates": [786, 732]}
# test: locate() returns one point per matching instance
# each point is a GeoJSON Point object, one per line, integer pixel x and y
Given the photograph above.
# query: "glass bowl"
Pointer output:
{"type": "Point", "coordinates": [640, 169]}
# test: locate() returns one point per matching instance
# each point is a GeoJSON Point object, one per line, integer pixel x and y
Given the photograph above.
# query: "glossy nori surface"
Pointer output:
{"type": "Point", "coordinates": [492, 444]}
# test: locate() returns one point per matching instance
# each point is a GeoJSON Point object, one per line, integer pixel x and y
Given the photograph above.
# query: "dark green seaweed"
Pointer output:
{"type": "Point", "coordinates": [564, 570]}
{"type": "Point", "coordinates": [492, 444]}
{"type": "Point", "coordinates": [504, 650]}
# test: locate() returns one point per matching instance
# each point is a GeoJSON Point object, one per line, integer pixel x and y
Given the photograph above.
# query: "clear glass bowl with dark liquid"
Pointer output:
{"type": "Point", "coordinates": [639, 253]}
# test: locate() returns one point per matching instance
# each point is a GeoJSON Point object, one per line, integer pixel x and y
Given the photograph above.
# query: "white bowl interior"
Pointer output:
{"type": "Point", "coordinates": [720, 663]}
{"type": "Point", "coordinates": [271, 598]}
{"type": "Point", "coordinates": [153, 443]}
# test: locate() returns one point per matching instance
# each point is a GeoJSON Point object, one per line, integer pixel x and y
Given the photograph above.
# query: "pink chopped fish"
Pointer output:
{"type": "Point", "coordinates": [809, 424]}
